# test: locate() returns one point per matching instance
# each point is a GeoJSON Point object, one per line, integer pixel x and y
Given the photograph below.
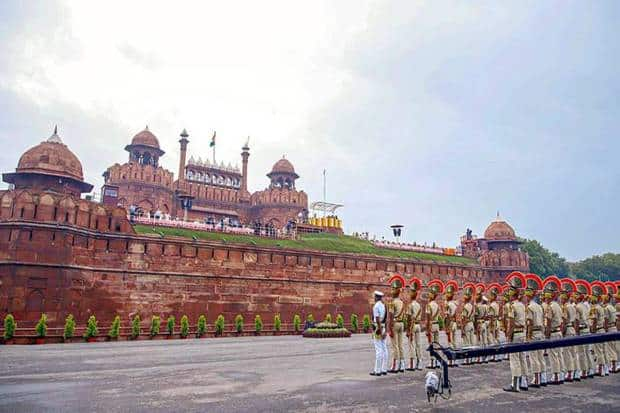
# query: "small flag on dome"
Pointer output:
{"type": "Point", "coordinates": [212, 144]}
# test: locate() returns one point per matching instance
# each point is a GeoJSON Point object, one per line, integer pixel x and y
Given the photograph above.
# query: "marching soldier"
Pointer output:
{"type": "Point", "coordinates": [450, 316]}
{"type": "Point", "coordinates": [569, 313]}
{"type": "Point", "coordinates": [493, 291]}
{"type": "Point", "coordinates": [597, 315]}
{"type": "Point", "coordinates": [414, 330]}
{"type": "Point", "coordinates": [535, 322]}
{"type": "Point", "coordinates": [516, 330]}
{"type": "Point", "coordinates": [582, 292]}
{"type": "Point", "coordinates": [435, 287]}
{"type": "Point", "coordinates": [551, 288]}
{"type": "Point", "coordinates": [467, 318]}
{"type": "Point", "coordinates": [480, 320]}
{"type": "Point", "coordinates": [379, 315]}
{"type": "Point", "coordinates": [396, 325]}
{"type": "Point", "coordinates": [612, 351]}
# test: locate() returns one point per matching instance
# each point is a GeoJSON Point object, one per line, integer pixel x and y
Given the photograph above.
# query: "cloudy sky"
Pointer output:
{"type": "Point", "coordinates": [430, 114]}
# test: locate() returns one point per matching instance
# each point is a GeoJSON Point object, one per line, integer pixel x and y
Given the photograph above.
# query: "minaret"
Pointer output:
{"type": "Point", "coordinates": [245, 154]}
{"type": "Point", "coordinates": [183, 141]}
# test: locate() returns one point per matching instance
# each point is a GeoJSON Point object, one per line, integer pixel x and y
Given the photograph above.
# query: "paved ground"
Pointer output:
{"type": "Point", "coordinates": [270, 374]}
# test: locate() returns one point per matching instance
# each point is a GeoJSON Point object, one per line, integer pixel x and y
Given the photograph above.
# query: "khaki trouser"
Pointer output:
{"type": "Point", "coordinates": [452, 329]}
{"type": "Point", "coordinates": [585, 358]}
{"type": "Point", "coordinates": [493, 332]}
{"type": "Point", "coordinates": [599, 351]}
{"type": "Point", "coordinates": [435, 332]}
{"type": "Point", "coordinates": [415, 342]}
{"type": "Point", "coordinates": [518, 366]}
{"type": "Point", "coordinates": [396, 341]}
{"type": "Point", "coordinates": [556, 361]}
{"type": "Point", "coordinates": [483, 339]}
{"type": "Point", "coordinates": [612, 347]}
{"type": "Point", "coordinates": [570, 353]}
{"type": "Point", "coordinates": [469, 338]}
{"type": "Point", "coordinates": [537, 357]}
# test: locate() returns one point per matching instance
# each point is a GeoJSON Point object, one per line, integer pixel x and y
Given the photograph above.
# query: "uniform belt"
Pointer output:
{"type": "Point", "coordinates": [537, 329]}
{"type": "Point", "coordinates": [517, 331]}
{"type": "Point", "coordinates": [399, 320]}
{"type": "Point", "coordinates": [555, 330]}
{"type": "Point", "coordinates": [435, 322]}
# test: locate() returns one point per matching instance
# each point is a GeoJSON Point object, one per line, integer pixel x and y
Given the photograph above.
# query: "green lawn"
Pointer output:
{"type": "Point", "coordinates": [320, 242]}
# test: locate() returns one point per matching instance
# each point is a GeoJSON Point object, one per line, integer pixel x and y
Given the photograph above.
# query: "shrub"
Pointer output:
{"type": "Point", "coordinates": [325, 324]}
{"type": "Point", "coordinates": [9, 326]}
{"type": "Point", "coordinates": [258, 324]}
{"type": "Point", "coordinates": [366, 323]}
{"type": "Point", "coordinates": [310, 318]}
{"type": "Point", "coordinates": [170, 325]}
{"type": "Point", "coordinates": [184, 326]}
{"type": "Point", "coordinates": [115, 328]}
{"type": "Point", "coordinates": [239, 323]}
{"type": "Point", "coordinates": [91, 327]}
{"type": "Point", "coordinates": [277, 322]}
{"type": "Point", "coordinates": [219, 325]}
{"type": "Point", "coordinates": [155, 324]}
{"type": "Point", "coordinates": [340, 321]}
{"type": "Point", "coordinates": [69, 327]}
{"type": "Point", "coordinates": [327, 332]}
{"type": "Point", "coordinates": [354, 322]}
{"type": "Point", "coordinates": [135, 327]}
{"type": "Point", "coordinates": [328, 318]}
{"type": "Point", "coordinates": [201, 328]}
{"type": "Point", "coordinates": [41, 327]}
{"type": "Point", "coordinates": [297, 323]}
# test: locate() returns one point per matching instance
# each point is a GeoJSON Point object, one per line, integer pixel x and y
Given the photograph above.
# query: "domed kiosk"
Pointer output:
{"type": "Point", "coordinates": [49, 166]}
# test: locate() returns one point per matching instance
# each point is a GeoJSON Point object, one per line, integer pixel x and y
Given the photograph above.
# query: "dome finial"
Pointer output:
{"type": "Point", "coordinates": [55, 138]}
{"type": "Point", "coordinates": [146, 127]}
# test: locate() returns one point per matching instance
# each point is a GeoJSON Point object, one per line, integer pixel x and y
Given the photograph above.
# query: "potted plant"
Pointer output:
{"type": "Point", "coordinates": [170, 326]}
{"type": "Point", "coordinates": [258, 324]}
{"type": "Point", "coordinates": [41, 329]}
{"type": "Point", "coordinates": [9, 328]}
{"type": "Point", "coordinates": [328, 318]}
{"type": "Point", "coordinates": [277, 324]}
{"type": "Point", "coordinates": [219, 325]}
{"type": "Point", "coordinates": [239, 324]}
{"type": "Point", "coordinates": [297, 323]}
{"type": "Point", "coordinates": [366, 323]}
{"type": "Point", "coordinates": [201, 327]}
{"type": "Point", "coordinates": [115, 328]}
{"type": "Point", "coordinates": [91, 329]}
{"type": "Point", "coordinates": [69, 328]}
{"type": "Point", "coordinates": [184, 326]}
{"type": "Point", "coordinates": [354, 323]}
{"type": "Point", "coordinates": [135, 327]}
{"type": "Point", "coordinates": [155, 324]}
{"type": "Point", "coordinates": [340, 321]}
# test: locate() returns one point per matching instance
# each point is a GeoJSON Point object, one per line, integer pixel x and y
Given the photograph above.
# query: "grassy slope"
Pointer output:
{"type": "Point", "coordinates": [320, 242]}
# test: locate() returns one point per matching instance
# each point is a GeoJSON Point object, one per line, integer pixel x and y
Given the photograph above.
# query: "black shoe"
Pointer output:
{"type": "Point", "coordinates": [408, 369]}
{"type": "Point", "coordinates": [372, 373]}
{"type": "Point", "coordinates": [576, 379]}
{"type": "Point", "coordinates": [535, 386]}
{"type": "Point", "coordinates": [392, 371]}
{"type": "Point", "coordinates": [523, 388]}
{"type": "Point", "coordinates": [544, 384]}
{"type": "Point", "coordinates": [383, 373]}
{"type": "Point", "coordinates": [401, 371]}
{"type": "Point", "coordinates": [511, 389]}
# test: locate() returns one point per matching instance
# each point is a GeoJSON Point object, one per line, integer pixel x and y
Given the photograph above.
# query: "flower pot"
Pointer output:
{"type": "Point", "coordinates": [183, 338]}
{"type": "Point", "coordinates": [169, 337]}
{"type": "Point", "coordinates": [39, 340]}
{"type": "Point", "coordinates": [9, 341]}
{"type": "Point", "coordinates": [91, 339]}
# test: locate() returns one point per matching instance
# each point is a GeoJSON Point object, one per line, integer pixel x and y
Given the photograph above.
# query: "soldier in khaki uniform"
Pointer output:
{"type": "Point", "coordinates": [414, 329]}
{"type": "Point", "coordinates": [396, 324]}
{"type": "Point", "coordinates": [535, 323]}
{"type": "Point", "coordinates": [554, 316]}
{"type": "Point", "coordinates": [450, 325]}
{"type": "Point", "coordinates": [432, 313]}
{"type": "Point", "coordinates": [569, 328]}
{"type": "Point", "coordinates": [504, 315]}
{"type": "Point", "coordinates": [597, 315]}
{"type": "Point", "coordinates": [516, 330]}
{"type": "Point", "coordinates": [493, 291]}
{"type": "Point", "coordinates": [612, 346]}
{"type": "Point", "coordinates": [480, 320]}
{"type": "Point", "coordinates": [467, 318]}
{"type": "Point", "coordinates": [586, 362]}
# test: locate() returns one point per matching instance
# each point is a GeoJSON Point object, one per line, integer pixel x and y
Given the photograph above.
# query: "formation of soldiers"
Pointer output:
{"type": "Point", "coordinates": [526, 308]}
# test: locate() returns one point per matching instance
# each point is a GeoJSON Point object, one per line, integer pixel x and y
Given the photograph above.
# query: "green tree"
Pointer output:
{"type": "Point", "coordinates": [219, 325]}
{"type": "Point", "coordinates": [544, 262]}
{"type": "Point", "coordinates": [155, 324]}
{"type": "Point", "coordinates": [366, 323]}
{"type": "Point", "coordinates": [258, 324]}
{"type": "Point", "coordinates": [41, 327]}
{"type": "Point", "coordinates": [354, 322]}
{"type": "Point", "coordinates": [297, 323]}
{"type": "Point", "coordinates": [239, 323]}
{"type": "Point", "coordinates": [91, 327]}
{"type": "Point", "coordinates": [69, 327]}
{"type": "Point", "coordinates": [277, 322]}
{"type": "Point", "coordinates": [184, 326]}
{"type": "Point", "coordinates": [170, 325]}
{"type": "Point", "coordinates": [135, 327]}
{"type": "Point", "coordinates": [604, 267]}
{"type": "Point", "coordinates": [115, 328]}
{"type": "Point", "coordinates": [9, 326]}
{"type": "Point", "coordinates": [340, 321]}
{"type": "Point", "coordinates": [201, 328]}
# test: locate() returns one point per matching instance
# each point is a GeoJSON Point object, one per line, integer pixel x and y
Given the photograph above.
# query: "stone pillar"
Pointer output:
{"type": "Point", "coordinates": [183, 141]}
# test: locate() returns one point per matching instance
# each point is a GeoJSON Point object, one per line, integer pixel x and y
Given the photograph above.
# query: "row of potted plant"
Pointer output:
{"type": "Point", "coordinates": [92, 330]}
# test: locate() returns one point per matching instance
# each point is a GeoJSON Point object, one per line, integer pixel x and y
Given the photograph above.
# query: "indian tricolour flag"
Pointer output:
{"type": "Point", "coordinates": [212, 144]}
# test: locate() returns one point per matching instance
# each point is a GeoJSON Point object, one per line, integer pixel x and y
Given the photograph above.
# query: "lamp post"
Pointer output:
{"type": "Point", "coordinates": [397, 230]}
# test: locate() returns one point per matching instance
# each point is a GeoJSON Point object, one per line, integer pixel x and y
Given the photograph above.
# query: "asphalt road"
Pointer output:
{"type": "Point", "coordinates": [259, 374]}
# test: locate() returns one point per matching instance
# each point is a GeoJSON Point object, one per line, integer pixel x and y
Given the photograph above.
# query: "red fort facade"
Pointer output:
{"type": "Point", "coordinates": [61, 254]}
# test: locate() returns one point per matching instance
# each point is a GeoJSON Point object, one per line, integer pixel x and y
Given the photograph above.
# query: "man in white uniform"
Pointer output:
{"type": "Point", "coordinates": [379, 335]}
